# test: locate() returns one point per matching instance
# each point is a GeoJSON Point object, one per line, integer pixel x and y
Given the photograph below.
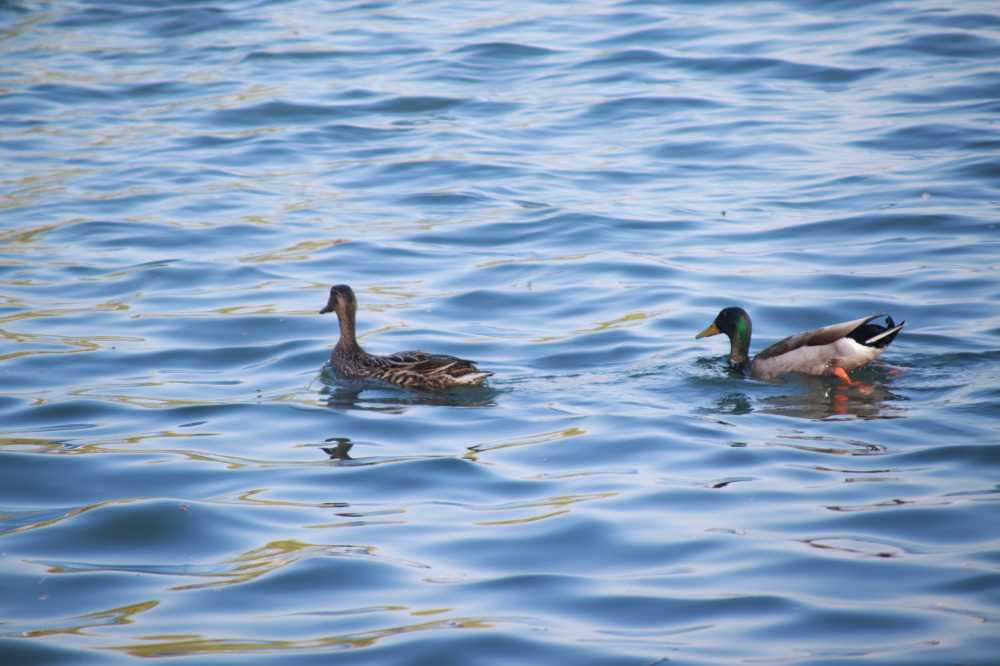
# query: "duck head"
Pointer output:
{"type": "Point", "coordinates": [342, 301]}
{"type": "Point", "coordinates": [735, 323]}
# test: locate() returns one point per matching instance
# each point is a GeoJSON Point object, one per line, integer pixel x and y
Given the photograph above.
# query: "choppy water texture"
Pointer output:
{"type": "Point", "coordinates": [566, 193]}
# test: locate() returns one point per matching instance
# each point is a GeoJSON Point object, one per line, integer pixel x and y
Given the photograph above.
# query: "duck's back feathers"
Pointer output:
{"type": "Point", "coordinates": [412, 369]}
{"type": "Point", "coordinates": [831, 350]}
{"type": "Point", "coordinates": [848, 345]}
{"type": "Point", "coordinates": [419, 369]}
{"type": "Point", "coordinates": [816, 338]}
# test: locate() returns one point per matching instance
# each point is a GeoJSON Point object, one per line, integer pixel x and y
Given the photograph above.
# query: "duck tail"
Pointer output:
{"type": "Point", "coordinates": [472, 378]}
{"type": "Point", "coordinates": [884, 338]}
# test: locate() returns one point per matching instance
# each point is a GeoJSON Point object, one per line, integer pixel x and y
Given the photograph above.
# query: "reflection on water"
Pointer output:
{"type": "Point", "coordinates": [377, 396]}
{"type": "Point", "coordinates": [245, 567]}
{"type": "Point", "coordinates": [860, 401]}
{"type": "Point", "coordinates": [80, 624]}
{"type": "Point", "coordinates": [828, 445]}
{"type": "Point", "coordinates": [814, 398]}
{"type": "Point", "coordinates": [200, 646]}
{"type": "Point", "coordinates": [731, 403]}
{"type": "Point", "coordinates": [341, 453]}
{"type": "Point", "coordinates": [341, 450]}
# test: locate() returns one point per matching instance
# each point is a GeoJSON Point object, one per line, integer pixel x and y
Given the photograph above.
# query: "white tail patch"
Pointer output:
{"type": "Point", "coordinates": [876, 338]}
{"type": "Point", "coordinates": [472, 378]}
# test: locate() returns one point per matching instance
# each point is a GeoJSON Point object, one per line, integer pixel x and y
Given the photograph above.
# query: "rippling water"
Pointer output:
{"type": "Point", "coordinates": [565, 192]}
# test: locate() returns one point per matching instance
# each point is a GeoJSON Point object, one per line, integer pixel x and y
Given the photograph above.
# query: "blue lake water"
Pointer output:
{"type": "Point", "coordinates": [566, 193]}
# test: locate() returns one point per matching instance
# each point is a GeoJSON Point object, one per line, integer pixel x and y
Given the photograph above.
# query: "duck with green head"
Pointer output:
{"type": "Point", "coordinates": [832, 350]}
{"type": "Point", "coordinates": [412, 369]}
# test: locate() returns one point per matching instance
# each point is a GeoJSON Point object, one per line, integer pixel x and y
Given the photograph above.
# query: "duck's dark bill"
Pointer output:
{"type": "Point", "coordinates": [711, 330]}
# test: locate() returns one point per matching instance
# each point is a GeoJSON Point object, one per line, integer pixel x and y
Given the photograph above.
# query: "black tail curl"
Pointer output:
{"type": "Point", "coordinates": [877, 335]}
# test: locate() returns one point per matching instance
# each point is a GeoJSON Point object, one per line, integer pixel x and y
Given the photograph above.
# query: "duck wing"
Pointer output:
{"type": "Point", "coordinates": [420, 369]}
{"type": "Point", "coordinates": [816, 338]}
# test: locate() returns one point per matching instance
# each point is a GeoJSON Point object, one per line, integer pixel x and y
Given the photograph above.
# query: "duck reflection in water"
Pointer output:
{"type": "Point", "coordinates": [374, 396]}
{"type": "Point", "coordinates": [815, 399]}
{"type": "Point", "coordinates": [340, 450]}
{"type": "Point", "coordinates": [822, 400]}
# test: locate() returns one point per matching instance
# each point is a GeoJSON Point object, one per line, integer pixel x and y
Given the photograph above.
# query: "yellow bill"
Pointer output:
{"type": "Point", "coordinates": [711, 330]}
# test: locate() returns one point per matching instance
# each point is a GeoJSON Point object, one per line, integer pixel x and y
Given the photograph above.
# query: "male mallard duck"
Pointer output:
{"type": "Point", "coordinates": [831, 350]}
{"type": "Point", "coordinates": [412, 369]}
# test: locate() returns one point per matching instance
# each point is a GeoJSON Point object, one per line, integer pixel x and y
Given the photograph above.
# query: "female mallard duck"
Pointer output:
{"type": "Point", "coordinates": [832, 350]}
{"type": "Point", "coordinates": [412, 369]}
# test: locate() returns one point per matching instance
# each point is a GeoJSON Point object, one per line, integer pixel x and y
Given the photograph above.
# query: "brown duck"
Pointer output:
{"type": "Point", "coordinates": [412, 369]}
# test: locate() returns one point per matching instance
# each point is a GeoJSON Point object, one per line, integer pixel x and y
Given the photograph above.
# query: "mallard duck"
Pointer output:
{"type": "Point", "coordinates": [832, 350]}
{"type": "Point", "coordinates": [412, 369]}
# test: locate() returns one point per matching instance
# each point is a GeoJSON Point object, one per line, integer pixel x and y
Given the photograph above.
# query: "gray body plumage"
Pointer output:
{"type": "Point", "coordinates": [830, 350]}
{"type": "Point", "coordinates": [816, 352]}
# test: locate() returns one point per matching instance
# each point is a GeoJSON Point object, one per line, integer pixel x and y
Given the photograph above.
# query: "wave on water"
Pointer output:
{"type": "Point", "coordinates": [565, 197]}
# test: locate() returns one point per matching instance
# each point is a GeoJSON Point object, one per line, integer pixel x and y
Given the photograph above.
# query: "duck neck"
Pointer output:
{"type": "Point", "coordinates": [348, 343]}
{"type": "Point", "coordinates": [739, 343]}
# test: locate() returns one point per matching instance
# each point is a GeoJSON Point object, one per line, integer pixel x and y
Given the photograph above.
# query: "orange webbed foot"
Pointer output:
{"type": "Point", "coordinates": [842, 375]}
{"type": "Point", "coordinates": [860, 387]}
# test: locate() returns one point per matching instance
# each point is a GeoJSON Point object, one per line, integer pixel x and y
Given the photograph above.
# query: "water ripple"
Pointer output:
{"type": "Point", "coordinates": [566, 198]}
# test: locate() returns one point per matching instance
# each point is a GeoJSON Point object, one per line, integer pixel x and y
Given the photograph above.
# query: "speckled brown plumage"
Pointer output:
{"type": "Point", "coordinates": [412, 369]}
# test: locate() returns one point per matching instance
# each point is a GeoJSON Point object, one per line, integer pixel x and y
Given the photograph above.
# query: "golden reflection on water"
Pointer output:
{"type": "Point", "coordinates": [282, 553]}
{"type": "Point", "coordinates": [535, 259]}
{"type": "Point", "coordinates": [250, 497]}
{"type": "Point", "coordinates": [299, 396]}
{"type": "Point", "coordinates": [624, 321]}
{"type": "Point", "coordinates": [33, 443]}
{"type": "Point", "coordinates": [146, 402]}
{"type": "Point", "coordinates": [541, 438]}
{"type": "Point", "coordinates": [618, 322]}
{"type": "Point", "coordinates": [113, 616]}
{"type": "Point", "coordinates": [301, 251]}
{"type": "Point", "coordinates": [523, 521]}
{"type": "Point", "coordinates": [269, 558]}
{"type": "Point", "coordinates": [74, 343]}
{"type": "Point", "coordinates": [242, 568]}
{"type": "Point", "coordinates": [185, 646]}
{"type": "Point", "coordinates": [49, 517]}
{"type": "Point", "coordinates": [560, 503]}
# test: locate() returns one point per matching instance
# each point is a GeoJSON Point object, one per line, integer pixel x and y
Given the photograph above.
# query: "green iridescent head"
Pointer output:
{"type": "Point", "coordinates": [735, 323]}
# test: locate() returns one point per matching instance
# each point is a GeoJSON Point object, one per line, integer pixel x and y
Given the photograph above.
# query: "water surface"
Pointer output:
{"type": "Point", "coordinates": [566, 193]}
